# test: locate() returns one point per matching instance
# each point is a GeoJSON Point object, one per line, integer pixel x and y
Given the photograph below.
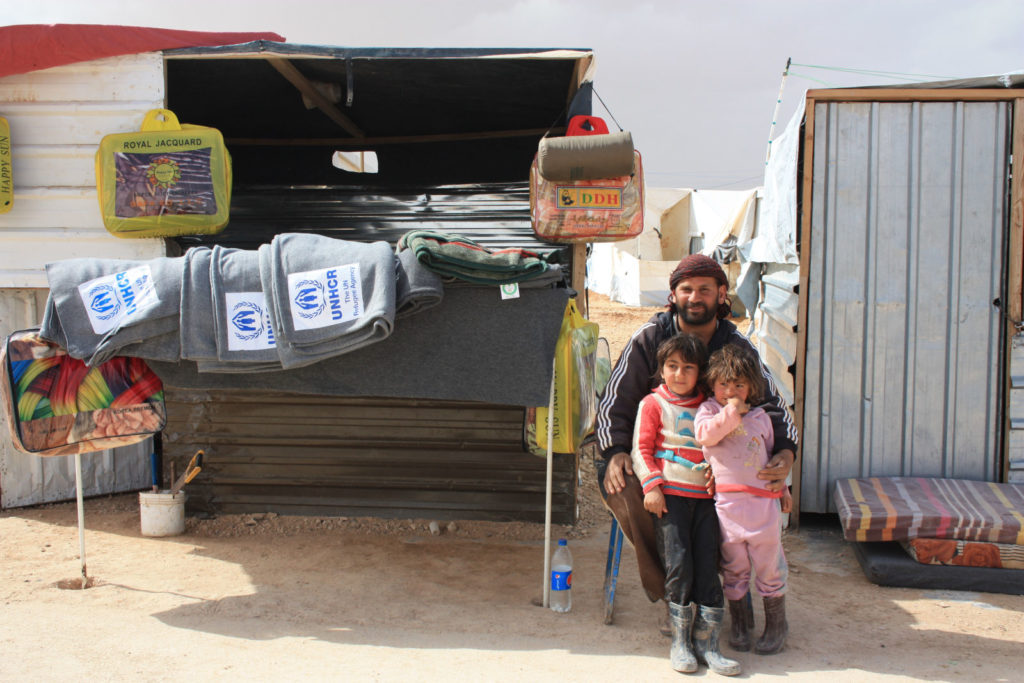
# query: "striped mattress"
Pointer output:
{"type": "Point", "coordinates": [902, 508]}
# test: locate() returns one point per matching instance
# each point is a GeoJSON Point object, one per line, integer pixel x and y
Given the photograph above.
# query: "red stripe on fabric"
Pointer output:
{"type": "Point", "coordinates": [944, 515]}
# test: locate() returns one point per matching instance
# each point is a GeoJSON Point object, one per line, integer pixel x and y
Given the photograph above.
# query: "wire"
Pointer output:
{"type": "Point", "coordinates": [735, 182]}
{"type": "Point", "coordinates": [898, 75]}
{"type": "Point", "coordinates": [816, 80]}
{"type": "Point", "coordinates": [606, 108]}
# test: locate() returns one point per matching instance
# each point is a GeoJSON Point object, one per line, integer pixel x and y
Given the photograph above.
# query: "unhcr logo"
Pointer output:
{"type": "Point", "coordinates": [309, 298]}
{"type": "Point", "coordinates": [247, 321]}
{"type": "Point", "coordinates": [104, 302]}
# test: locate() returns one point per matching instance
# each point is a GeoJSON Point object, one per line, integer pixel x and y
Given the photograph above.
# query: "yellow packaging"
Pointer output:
{"type": "Point", "coordinates": [166, 180]}
{"type": "Point", "coordinates": [6, 173]}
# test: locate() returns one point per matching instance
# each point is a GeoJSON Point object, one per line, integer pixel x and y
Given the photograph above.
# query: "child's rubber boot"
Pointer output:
{"type": "Point", "coordinates": [741, 623]}
{"type": "Point", "coordinates": [775, 627]}
{"type": "Point", "coordinates": [681, 655]}
{"type": "Point", "coordinates": [706, 629]}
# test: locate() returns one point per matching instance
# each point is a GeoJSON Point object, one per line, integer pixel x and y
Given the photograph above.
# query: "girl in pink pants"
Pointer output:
{"type": "Point", "coordinates": [737, 440]}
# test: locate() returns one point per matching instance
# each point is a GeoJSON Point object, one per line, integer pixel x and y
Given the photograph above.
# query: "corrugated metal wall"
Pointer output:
{"type": "Point", "coordinates": [31, 479]}
{"type": "Point", "coordinates": [904, 345]}
{"type": "Point", "coordinates": [1015, 446]}
{"type": "Point", "coordinates": [381, 457]}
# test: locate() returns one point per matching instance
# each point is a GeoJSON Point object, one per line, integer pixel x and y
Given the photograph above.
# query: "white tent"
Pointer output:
{"type": "Point", "coordinates": [677, 222]}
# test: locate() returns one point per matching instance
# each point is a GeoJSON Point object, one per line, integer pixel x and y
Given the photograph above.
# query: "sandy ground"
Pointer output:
{"type": "Point", "coordinates": [263, 597]}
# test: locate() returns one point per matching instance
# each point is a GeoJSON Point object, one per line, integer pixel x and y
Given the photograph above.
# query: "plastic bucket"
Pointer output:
{"type": "Point", "coordinates": [162, 513]}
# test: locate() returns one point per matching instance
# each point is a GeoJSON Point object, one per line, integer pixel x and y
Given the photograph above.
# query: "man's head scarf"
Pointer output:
{"type": "Point", "coordinates": [699, 265]}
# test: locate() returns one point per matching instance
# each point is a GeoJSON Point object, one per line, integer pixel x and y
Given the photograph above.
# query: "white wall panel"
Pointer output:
{"type": "Point", "coordinates": [58, 117]}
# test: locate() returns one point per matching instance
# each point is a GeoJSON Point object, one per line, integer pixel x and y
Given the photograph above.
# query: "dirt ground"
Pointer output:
{"type": "Point", "coordinates": [263, 597]}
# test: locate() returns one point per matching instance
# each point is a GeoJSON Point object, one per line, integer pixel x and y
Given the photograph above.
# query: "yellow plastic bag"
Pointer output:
{"type": "Point", "coordinates": [575, 408]}
{"type": "Point", "coordinates": [169, 179]}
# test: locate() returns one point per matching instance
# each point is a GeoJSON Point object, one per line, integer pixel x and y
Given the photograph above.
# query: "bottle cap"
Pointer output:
{"type": "Point", "coordinates": [562, 541]}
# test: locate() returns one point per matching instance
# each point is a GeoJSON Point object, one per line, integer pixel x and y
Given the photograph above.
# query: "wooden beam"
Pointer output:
{"type": "Point", "coordinates": [912, 94]}
{"type": "Point", "coordinates": [365, 143]}
{"type": "Point", "coordinates": [579, 274]}
{"type": "Point", "coordinates": [1015, 269]}
{"type": "Point", "coordinates": [303, 84]}
{"type": "Point", "coordinates": [804, 242]}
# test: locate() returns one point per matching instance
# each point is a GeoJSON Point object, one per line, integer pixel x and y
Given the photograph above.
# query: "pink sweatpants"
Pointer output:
{"type": "Point", "coordinates": [751, 536]}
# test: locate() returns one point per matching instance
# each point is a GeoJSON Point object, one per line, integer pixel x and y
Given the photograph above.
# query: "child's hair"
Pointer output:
{"type": "Point", "coordinates": [689, 346]}
{"type": "Point", "coordinates": [731, 363]}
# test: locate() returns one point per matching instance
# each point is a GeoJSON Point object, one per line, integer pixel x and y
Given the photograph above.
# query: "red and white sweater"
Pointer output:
{"type": "Point", "coordinates": [665, 451]}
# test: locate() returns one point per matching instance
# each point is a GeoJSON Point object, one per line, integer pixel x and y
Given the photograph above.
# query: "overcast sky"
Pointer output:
{"type": "Point", "coordinates": [695, 81]}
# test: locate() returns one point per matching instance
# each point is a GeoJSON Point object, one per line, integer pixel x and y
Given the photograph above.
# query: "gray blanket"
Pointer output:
{"type": "Point", "coordinates": [473, 346]}
{"type": "Point", "coordinates": [416, 287]}
{"type": "Point", "coordinates": [327, 297]}
{"type": "Point", "coordinates": [241, 320]}
{"type": "Point", "coordinates": [197, 338]}
{"type": "Point", "coordinates": [97, 307]}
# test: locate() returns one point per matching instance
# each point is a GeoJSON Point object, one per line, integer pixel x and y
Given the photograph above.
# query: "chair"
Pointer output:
{"type": "Point", "coordinates": [611, 569]}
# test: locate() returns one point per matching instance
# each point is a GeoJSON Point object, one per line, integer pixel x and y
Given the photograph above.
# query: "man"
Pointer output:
{"type": "Point", "coordinates": [698, 304]}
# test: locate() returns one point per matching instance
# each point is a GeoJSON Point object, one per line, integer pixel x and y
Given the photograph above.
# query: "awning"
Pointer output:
{"type": "Point", "coordinates": [30, 47]}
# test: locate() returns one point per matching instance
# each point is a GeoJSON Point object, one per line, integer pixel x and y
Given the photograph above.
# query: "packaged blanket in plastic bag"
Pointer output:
{"type": "Point", "coordinates": [587, 186]}
{"type": "Point", "coordinates": [166, 180]}
{"type": "Point", "coordinates": [57, 405]}
{"type": "Point", "coordinates": [575, 405]}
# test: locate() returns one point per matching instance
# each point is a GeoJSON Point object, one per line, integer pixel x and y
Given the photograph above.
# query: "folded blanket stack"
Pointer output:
{"type": "Point", "coordinates": [244, 337]}
{"type": "Point", "coordinates": [101, 308]}
{"type": "Point", "coordinates": [452, 255]}
{"type": "Point", "coordinates": [197, 307]}
{"type": "Point", "coordinates": [297, 301]}
{"type": "Point", "coordinates": [416, 287]}
{"type": "Point", "coordinates": [327, 297]}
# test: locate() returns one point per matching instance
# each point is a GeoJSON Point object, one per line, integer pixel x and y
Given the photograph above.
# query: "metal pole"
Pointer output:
{"type": "Point", "coordinates": [775, 114]}
{"type": "Point", "coordinates": [81, 516]}
{"type": "Point", "coordinates": [547, 501]}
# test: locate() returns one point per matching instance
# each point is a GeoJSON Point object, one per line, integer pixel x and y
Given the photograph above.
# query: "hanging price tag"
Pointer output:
{"type": "Point", "coordinates": [510, 291]}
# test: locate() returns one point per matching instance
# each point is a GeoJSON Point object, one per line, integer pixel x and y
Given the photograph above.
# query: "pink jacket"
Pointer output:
{"type": "Point", "coordinates": [737, 446]}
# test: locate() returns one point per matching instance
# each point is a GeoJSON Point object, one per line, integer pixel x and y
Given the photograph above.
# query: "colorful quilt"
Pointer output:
{"type": "Point", "coordinates": [57, 405]}
{"type": "Point", "coordinates": [965, 553]}
{"type": "Point", "coordinates": [902, 508]}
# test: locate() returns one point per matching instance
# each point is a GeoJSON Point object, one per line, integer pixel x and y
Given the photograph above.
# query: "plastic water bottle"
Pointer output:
{"type": "Point", "coordinates": [561, 578]}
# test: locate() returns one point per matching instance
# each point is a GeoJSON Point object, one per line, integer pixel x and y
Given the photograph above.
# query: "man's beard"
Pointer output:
{"type": "Point", "coordinates": [698, 317]}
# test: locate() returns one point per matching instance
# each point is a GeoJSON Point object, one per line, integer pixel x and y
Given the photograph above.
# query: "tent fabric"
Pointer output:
{"type": "Point", "coordinates": [30, 47]}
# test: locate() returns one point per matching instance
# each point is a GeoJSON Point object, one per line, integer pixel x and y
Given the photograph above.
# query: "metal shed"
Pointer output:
{"type": "Point", "coordinates": [454, 132]}
{"type": "Point", "coordinates": [910, 282]}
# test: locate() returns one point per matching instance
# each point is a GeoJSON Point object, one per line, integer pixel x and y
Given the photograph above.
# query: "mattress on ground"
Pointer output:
{"type": "Point", "coordinates": [886, 564]}
{"type": "Point", "coordinates": [952, 552]}
{"type": "Point", "coordinates": [901, 508]}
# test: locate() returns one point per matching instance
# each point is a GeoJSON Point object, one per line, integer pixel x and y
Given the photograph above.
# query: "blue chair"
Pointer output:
{"type": "Point", "coordinates": [611, 569]}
